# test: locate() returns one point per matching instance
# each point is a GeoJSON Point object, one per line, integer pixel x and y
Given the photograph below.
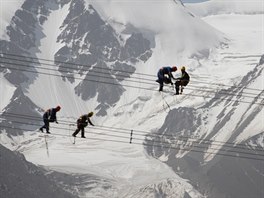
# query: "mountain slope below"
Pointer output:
{"type": "Point", "coordinates": [19, 178]}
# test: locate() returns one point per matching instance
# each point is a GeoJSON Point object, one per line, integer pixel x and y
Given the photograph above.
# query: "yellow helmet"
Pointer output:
{"type": "Point", "coordinates": [90, 114]}
{"type": "Point", "coordinates": [183, 68]}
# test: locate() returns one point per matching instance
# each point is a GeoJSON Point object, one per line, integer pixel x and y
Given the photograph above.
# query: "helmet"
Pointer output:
{"type": "Point", "coordinates": [58, 108]}
{"type": "Point", "coordinates": [174, 68]}
{"type": "Point", "coordinates": [183, 68]}
{"type": "Point", "coordinates": [90, 114]}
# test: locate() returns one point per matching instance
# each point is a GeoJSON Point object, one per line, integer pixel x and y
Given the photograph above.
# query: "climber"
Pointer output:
{"type": "Point", "coordinates": [82, 122]}
{"type": "Point", "coordinates": [182, 81]}
{"type": "Point", "coordinates": [165, 79]}
{"type": "Point", "coordinates": [49, 116]}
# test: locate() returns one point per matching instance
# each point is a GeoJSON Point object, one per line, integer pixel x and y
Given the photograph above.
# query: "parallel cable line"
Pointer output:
{"type": "Point", "coordinates": [117, 75]}
{"type": "Point", "coordinates": [144, 88]}
{"type": "Point", "coordinates": [144, 133]}
{"type": "Point", "coordinates": [124, 78]}
{"type": "Point", "coordinates": [70, 63]}
{"type": "Point", "coordinates": [169, 147]}
{"type": "Point", "coordinates": [204, 146]}
{"type": "Point", "coordinates": [67, 63]}
{"type": "Point", "coordinates": [72, 68]}
{"type": "Point", "coordinates": [88, 74]}
{"type": "Point", "coordinates": [94, 81]}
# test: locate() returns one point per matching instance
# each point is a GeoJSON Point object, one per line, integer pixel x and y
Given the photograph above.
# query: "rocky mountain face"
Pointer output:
{"type": "Point", "coordinates": [216, 168]}
{"type": "Point", "coordinates": [101, 53]}
{"type": "Point", "coordinates": [91, 49]}
{"type": "Point", "coordinates": [23, 36]}
{"type": "Point", "coordinates": [25, 33]}
{"type": "Point", "coordinates": [20, 115]}
{"type": "Point", "coordinates": [20, 178]}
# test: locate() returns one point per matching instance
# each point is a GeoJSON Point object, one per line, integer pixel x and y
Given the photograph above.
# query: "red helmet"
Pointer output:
{"type": "Point", "coordinates": [174, 68]}
{"type": "Point", "coordinates": [58, 108]}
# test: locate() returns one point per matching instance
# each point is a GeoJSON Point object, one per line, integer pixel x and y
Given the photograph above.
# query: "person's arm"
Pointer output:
{"type": "Point", "coordinates": [180, 78]}
{"type": "Point", "coordinates": [90, 122]}
{"type": "Point", "coordinates": [56, 119]}
{"type": "Point", "coordinates": [54, 116]}
{"type": "Point", "coordinates": [170, 74]}
{"type": "Point", "coordinates": [185, 77]}
{"type": "Point", "coordinates": [171, 77]}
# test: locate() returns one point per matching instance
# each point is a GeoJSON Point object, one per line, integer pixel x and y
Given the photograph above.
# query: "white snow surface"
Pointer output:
{"type": "Point", "coordinates": [6, 92]}
{"type": "Point", "coordinates": [126, 164]}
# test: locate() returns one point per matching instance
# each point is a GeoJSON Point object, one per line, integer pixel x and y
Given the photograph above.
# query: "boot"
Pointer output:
{"type": "Point", "coordinates": [177, 90]}
{"type": "Point", "coordinates": [161, 87]}
{"type": "Point", "coordinates": [182, 89]}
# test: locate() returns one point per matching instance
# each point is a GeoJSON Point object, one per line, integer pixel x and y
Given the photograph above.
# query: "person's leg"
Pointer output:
{"type": "Point", "coordinates": [161, 86]}
{"type": "Point", "coordinates": [76, 132]}
{"type": "Point", "coordinates": [177, 86]}
{"type": "Point", "coordinates": [161, 80]}
{"type": "Point", "coordinates": [41, 128]}
{"type": "Point", "coordinates": [183, 84]}
{"type": "Point", "coordinates": [82, 132]}
{"type": "Point", "coordinates": [46, 122]}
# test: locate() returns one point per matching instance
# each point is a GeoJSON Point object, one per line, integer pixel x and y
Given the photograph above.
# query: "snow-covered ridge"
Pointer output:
{"type": "Point", "coordinates": [175, 30]}
{"type": "Point", "coordinates": [214, 7]}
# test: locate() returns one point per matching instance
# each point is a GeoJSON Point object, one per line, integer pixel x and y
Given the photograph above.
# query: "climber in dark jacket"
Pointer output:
{"type": "Point", "coordinates": [49, 116]}
{"type": "Point", "coordinates": [182, 81]}
{"type": "Point", "coordinates": [165, 79]}
{"type": "Point", "coordinates": [82, 122]}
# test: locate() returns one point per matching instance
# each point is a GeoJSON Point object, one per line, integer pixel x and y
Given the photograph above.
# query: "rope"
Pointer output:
{"type": "Point", "coordinates": [164, 101]}
{"type": "Point", "coordinates": [46, 143]}
{"type": "Point", "coordinates": [73, 142]}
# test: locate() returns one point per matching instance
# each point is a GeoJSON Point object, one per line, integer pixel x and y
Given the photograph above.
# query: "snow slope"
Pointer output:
{"type": "Point", "coordinates": [6, 92]}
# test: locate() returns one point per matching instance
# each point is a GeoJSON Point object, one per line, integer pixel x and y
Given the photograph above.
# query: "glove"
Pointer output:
{"type": "Point", "coordinates": [171, 83]}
